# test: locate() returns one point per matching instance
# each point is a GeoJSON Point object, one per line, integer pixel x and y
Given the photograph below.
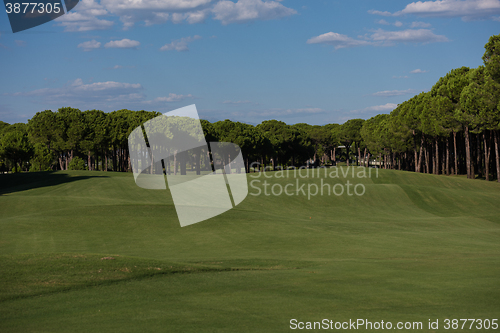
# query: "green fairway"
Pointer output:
{"type": "Point", "coordinates": [413, 247]}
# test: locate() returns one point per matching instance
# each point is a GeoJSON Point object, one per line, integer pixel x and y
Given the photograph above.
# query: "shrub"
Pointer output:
{"type": "Point", "coordinates": [77, 164]}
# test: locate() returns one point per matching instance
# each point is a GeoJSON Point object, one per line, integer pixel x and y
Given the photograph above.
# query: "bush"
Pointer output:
{"type": "Point", "coordinates": [42, 158]}
{"type": "Point", "coordinates": [77, 164]}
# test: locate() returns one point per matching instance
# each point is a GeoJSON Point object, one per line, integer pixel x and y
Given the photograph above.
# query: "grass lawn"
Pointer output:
{"type": "Point", "coordinates": [88, 251]}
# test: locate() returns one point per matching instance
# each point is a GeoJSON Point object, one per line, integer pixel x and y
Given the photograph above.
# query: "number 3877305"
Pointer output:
{"type": "Point", "coordinates": [33, 7]}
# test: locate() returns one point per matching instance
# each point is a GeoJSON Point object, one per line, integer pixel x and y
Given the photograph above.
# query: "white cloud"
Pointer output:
{"type": "Point", "coordinates": [84, 17]}
{"type": "Point", "coordinates": [400, 77]}
{"type": "Point", "coordinates": [418, 24]}
{"type": "Point", "coordinates": [122, 44]}
{"type": "Point", "coordinates": [236, 102]}
{"type": "Point", "coordinates": [249, 10]}
{"type": "Point", "coordinates": [384, 22]}
{"type": "Point", "coordinates": [466, 9]}
{"type": "Point", "coordinates": [368, 111]}
{"type": "Point", "coordinates": [381, 108]}
{"type": "Point", "coordinates": [171, 98]}
{"type": "Point", "coordinates": [337, 40]}
{"type": "Point", "coordinates": [77, 92]}
{"type": "Point", "coordinates": [87, 15]}
{"type": "Point", "coordinates": [156, 11]}
{"type": "Point", "coordinates": [179, 44]}
{"type": "Point", "coordinates": [408, 35]}
{"type": "Point", "coordinates": [74, 21]}
{"type": "Point", "coordinates": [278, 112]}
{"type": "Point", "coordinates": [107, 96]}
{"type": "Point", "coordinates": [119, 67]}
{"type": "Point", "coordinates": [20, 42]}
{"type": "Point", "coordinates": [379, 38]}
{"type": "Point", "coordinates": [90, 45]}
{"type": "Point", "coordinates": [378, 12]}
{"type": "Point", "coordinates": [309, 110]}
{"type": "Point", "coordinates": [418, 71]}
{"type": "Point", "coordinates": [388, 93]}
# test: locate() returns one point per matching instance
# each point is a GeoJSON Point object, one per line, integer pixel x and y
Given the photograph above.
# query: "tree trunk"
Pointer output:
{"type": "Point", "coordinates": [455, 151]}
{"type": "Point", "coordinates": [197, 158]}
{"type": "Point", "coordinates": [486, 158]}
{"type": "Point", "coordinates": [436, 170]}
{"type": "Point", "coordinates": [420, 154]}
{"type": "Point", "coordinates": [467, 153]}
{"type": "Point", "coordinates": [347, 154]}
{"type": "Point", "coordinates": [495, 135]}
{"type": "Point", "coordinates": [417, 168]}
{"type": "Point", "coordinates": [447, 166]}
{"type": "Point", "coordinates": [426, 152]}
{"type": "Point", "coordinates": [175, 162]}
{"type": "Point", "coordinates": [183, 162]}
{"type": "Point", "coordinates": [479, 161]}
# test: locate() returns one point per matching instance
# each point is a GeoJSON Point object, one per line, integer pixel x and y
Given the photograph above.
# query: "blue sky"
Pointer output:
{"type": "Point", "coordinates": [310, 61]}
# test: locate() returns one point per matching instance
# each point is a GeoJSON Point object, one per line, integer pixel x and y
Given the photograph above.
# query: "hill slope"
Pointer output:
{"type": "Point", "coordinates": [413, 247]}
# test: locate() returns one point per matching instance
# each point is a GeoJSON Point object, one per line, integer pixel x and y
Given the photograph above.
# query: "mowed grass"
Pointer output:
{"type": "Point", "coordinates": [413, 247]}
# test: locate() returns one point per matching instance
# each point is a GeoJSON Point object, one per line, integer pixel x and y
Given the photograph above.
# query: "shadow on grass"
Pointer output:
{"type": "Point", "coordinates": [15, 182]}
{"type": "Point", "coordinates": [28, 275]}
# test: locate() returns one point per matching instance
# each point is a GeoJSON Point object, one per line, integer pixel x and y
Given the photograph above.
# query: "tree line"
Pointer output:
{"type": "Point", "coordinates": [452, 129]}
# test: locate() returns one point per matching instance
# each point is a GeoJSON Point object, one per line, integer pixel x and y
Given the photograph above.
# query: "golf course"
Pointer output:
{"type": "Point", "coordinates": [90, 251]}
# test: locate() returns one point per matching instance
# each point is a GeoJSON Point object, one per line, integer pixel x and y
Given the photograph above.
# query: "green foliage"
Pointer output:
{"type": "Point", "coordinates": [3, 125]}
{"type": "Point", "coordinates": [350, 131]}
{"type": "Point", "coordinates": [15, 145]}
{"type": "Point", "coordinates": [42, 158]}
{"type": "Point", "coordinates": [479, 100]}
{"type": "Point", "coordinates": [43, 128]}
{"type": "Point", "coordinates": [491, 57]}
{"type": "Point", "coordinates": [373, 133]}
{"type": "Point", "coordinates": [77, 164]}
